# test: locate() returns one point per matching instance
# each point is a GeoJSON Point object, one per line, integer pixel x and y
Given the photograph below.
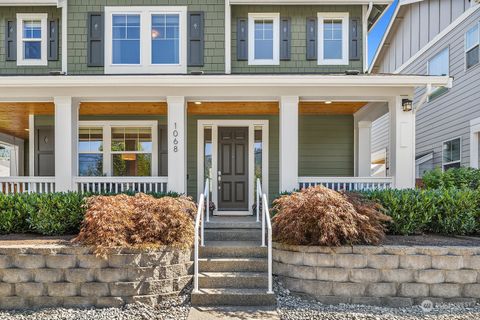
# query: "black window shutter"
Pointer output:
{"type": "Point", "coordinates": [355, 43]}
{"type": "Point", "coordinates": [53, 40]}
{"type": "Point", "coordinates": [195, 39]}
{"type": "Point", "coordinates": [242, 39]}
{"type": "Point", "coordinates": [11, 40]}
{"type": "Point", "coordinates": [285, 39]}
{"type": "Point", "coordinates": [95, 39]}
{"type": "Point", "coordinates": [311, 38]}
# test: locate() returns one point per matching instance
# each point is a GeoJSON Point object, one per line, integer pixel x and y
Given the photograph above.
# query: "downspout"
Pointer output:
{"type": "Point", "coordinates": [228, 37]}
{"type": "Point", "coordinates": [64, 5]}
{"type": "Point", "coordinates": [365, 34]}
{"type": "Point", "coordinates": [428, 92]}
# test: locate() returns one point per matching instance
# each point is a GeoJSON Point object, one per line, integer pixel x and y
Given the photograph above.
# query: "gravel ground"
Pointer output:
{"type": "Point", "coordinates": [299, 308]}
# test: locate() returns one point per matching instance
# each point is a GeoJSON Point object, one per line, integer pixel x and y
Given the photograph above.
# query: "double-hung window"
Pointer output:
{"type": "Point", "coordinates": [451, 154]}
{"type": "Point", "coordinates": [333, 38]}
{"type": "Point", "coordinates": [439, 65]}
{"type": "Point", "coordinates": [32, 39]}
{"type": "Point", "coordinates": [118, 148]}
{"type": "Point", "coordinates": [146, 40]}
{"type": "Point", "coordinates": [264, 39]}
{"type": "Point", "coordinates": [472, 46]}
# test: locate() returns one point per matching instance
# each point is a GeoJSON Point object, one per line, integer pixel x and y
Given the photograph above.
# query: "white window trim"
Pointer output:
{"type": "Point", "coordinates": [344, 16]}
{"type": "Point", "coordinates": [21, 17]}
{"type": "Point", "coordinates": [451, 162]}
{"type": "Point", "coordinates": [107, 141]}
{"type": "Point", "coordinates": [251, 38]}
{"type": "Point", "coordinates": [470, 48]}
{"type": "Point", "coordinates": [146, 65]}
{"type": "Point", "coordinates": [428, 71]}
{"type": "Point", "coordinates": [474, 142]}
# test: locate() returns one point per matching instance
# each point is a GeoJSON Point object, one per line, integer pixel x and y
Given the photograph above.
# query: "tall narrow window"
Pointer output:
{"type": "Point", "coordinates": [264, 39]}
{"type": "Point", "coordinates": [258, 153]}
{"type": "Point", "coordinates": [32, 42]}
{"type": "Point", "coordinates": [126, 39]}
{"type": "Point", "coordinates": [472, 47]}
{"type": "Point", "coordinates": [165, 39]}
{"type": "Point", "coordinates": [439, 65]}
{"type": "Point", "coordinates": [208, 152]}
{"type": "Point", "coordinates": [90, 152]}
{"type": "Point", "coordinates": [451, 154]}
{"type": "Point", "coordinates": [333, 38]}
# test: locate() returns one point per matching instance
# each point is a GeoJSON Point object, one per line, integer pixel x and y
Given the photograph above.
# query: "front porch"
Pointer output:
{"type": "Point", "coordinates": [291, 134]}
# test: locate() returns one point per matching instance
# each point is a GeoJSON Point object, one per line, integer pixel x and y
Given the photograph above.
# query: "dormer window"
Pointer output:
{"type": "Point", "coordinates": [32, 39]}
{"type": "Point", "coordinates": [264, 39]}
{"type": "Point", "coordinates": [333, 38]}
{"type": "Point", "coordinates": [146, 40]}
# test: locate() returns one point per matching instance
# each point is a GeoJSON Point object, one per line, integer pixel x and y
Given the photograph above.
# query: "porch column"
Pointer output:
{"type": "Point", "coordinates": [288, 143]}
{"type": "Point", "coordinates": [177, 144]}
{"type": "Point", "coordinates": [364, 148]}
{"type": "Point", "coordinates": [402, 144]}
{"type": "Point", "coordinates": [66, 135]}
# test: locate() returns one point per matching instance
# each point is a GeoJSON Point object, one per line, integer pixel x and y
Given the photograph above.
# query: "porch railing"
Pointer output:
{"type": "Point", "coordinates": [266, 223]}
{"type": "Point", "coordinates": [203, 203]}
{"type": "Point", "coordinates": [12, 185]}
{"type": "Point", "coordinates": [347, 183]}
{"type": "Point", "coordinates": [121, 184]}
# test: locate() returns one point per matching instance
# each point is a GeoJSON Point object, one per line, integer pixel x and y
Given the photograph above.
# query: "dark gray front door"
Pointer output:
{"type": "Point", "coordinates": [233, 169]}
{"type": "Point", "coordinates": [44, 151]}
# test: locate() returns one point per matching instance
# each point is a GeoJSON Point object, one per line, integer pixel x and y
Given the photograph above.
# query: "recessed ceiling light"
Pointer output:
{"type": "Point", "coordinates": [198, 103]}
{"type": "Point", "coordinates": [328, 102]}
{"type": "Point", "coordinates": [27, 129]}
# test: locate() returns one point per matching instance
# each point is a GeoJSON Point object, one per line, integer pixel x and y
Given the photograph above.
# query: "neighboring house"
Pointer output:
{"type": "Point", "coordinates": [160, 95]}
{"type": "Point", "coordinates": [431, 38]}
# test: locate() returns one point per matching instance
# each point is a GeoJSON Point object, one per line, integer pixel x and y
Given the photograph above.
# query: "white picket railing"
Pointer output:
{"type": "Point", "coordinates": [12, 185]}
{"type": "Point", "coordinates": [266, 223]}
{"type": "Point", "coordinates": [121, 184]}
{"type": "Point", "coordinates": [203, 203]}
{"type": "Point", "coordinates": [347, 183]}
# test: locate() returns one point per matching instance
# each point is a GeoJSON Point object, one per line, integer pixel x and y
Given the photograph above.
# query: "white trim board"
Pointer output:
{"type": "Point", "coordinates": [344, 17]}
{"type": "Point", "coordinates": [474, 142]}
{"type": "Point", "coordinates": [251, 124]}
{"type": "Point", "coordinates": [42, 17]}
{"type": "Point", "coordinates": [252, 18]}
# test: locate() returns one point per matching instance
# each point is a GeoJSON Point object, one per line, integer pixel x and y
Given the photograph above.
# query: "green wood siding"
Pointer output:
{"type": "Point", "coordinates": [273, 153]}
{"type": "Point", "coordinates": [326, 146]}
{"type": "Point", "coordinates": [10, 67]}
{"type": "Point", "coordinates": [298, 15]}
{"type": "Point", "coordinates": [214, 30]}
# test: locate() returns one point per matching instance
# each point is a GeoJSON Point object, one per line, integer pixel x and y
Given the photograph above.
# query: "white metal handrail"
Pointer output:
{"type": "Point", "coordinates": [203, 203]}
{"type": "Point", "coordinates": [12, 185]}
{"type": "Point", "coordinates": [266, 222]}
{"type": "Point", "coordinates": [347, 183]}
{"type": "Point", "coordinates": [121, 184]}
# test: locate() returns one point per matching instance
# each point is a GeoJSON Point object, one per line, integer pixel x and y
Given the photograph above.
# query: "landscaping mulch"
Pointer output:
{"type": "Point", "coordinates": [431, 240]}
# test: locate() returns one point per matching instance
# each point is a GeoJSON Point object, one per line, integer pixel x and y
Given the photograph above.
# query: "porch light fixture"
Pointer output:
{"type": "Point", "coordinates": [198, 103]}
{"type": "Point", "coordinates": [407, 105]}
{"type": "Point", "coordinates": [328, 102]}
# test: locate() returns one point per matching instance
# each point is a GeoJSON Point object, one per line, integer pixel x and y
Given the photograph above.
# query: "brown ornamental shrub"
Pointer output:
{"type": "Point", "coordinates": [320, 216]}
{"type": "Point", "coordinates": [137, 221]}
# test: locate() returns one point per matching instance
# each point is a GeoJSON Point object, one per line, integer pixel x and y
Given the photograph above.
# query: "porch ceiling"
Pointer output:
{"type": "Point", "coordinates": [14, 116]}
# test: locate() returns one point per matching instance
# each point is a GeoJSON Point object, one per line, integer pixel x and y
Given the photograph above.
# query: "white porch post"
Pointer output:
{"type": "Point", "coordinates": [288, 143]}
{"type": "Point", "coordinates": [364, 137]}
{"type": "Point", "coordinates": [177, 144]}
{"type": "Point", "coordinates": [402, 144]}
{"type": "Point", "coordinates": [66, 135]}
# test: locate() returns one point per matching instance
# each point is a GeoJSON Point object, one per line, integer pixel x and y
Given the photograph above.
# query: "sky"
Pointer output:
{"type": "Point", "coordinates": [375, 35]}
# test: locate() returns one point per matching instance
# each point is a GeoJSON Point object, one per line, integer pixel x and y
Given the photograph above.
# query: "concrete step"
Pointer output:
{"type": "Point", "coordinates": [233, 297]}
{"type": "Point", "coordinates": [233, 265]}
{"type": "Point", "coordinates": [217, 222]}
{"type": "Point", "coordinates": [251, 280]}
{"type": "Point", "coordinates": [233, 249]}
{"type": "Point", "coordinates": [233, 234]}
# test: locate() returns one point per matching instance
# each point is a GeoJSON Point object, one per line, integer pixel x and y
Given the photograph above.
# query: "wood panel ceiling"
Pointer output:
{"type": "Point", "coordinates": [14, 116]}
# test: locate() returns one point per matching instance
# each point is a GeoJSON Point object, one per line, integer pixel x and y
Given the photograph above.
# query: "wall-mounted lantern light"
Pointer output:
{"type": "Point", "coordinates": [407, 105]}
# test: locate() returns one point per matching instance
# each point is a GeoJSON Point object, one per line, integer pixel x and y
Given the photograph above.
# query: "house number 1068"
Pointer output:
{"type": "Point", "coordinates": [175, 139]}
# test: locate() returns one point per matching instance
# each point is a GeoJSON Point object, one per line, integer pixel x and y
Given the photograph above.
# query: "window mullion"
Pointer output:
{"type": "Point", "coordinates": [107, 150]}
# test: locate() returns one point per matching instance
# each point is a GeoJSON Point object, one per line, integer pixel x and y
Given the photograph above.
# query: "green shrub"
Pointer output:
{"type": "Point", "coordinates": [452, 178]}
{"type": "Point", "coordinates": [14, 213]}
{"type": "Point", "coordinates": [446, 211]}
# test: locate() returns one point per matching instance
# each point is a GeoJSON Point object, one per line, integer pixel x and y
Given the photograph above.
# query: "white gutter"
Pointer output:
{"type": "Point", "coordinates": [64, 5]}
{"type": "Point", "coordinates": [365, 35]}
{"type": "Point", "coordinates": [429, 90]}
{"type": "Point", "coordinates": [17, 3]}
{"type": "Point", "coordinates": [309, 2]}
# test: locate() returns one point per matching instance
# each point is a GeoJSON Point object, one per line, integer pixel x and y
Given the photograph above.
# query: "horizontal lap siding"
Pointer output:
{"type": "Point", "coordinates": [326, 145]}
{"type": "Point", "coordinates": [273, 151]}
{"type": "Point", "coordinates": [298, 16]}
{"type": "Point", "coordinates": [449, 115]}
{"type": "Point", "coordinates": [214, 30]}
{"type": "Point", "coordinates": [381, 133]}
{"type": "Point", "coordinates": [10, 67]}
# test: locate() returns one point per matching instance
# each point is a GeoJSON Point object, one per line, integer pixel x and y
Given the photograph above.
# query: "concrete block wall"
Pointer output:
{"type": "Point", "coordinates": [54, 276]}
{"type": "Point", "coordinates": [396, 276]}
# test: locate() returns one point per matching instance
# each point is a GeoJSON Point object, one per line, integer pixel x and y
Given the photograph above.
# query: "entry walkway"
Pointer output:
{"type": "Point", "coordinates": [233, 313]}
